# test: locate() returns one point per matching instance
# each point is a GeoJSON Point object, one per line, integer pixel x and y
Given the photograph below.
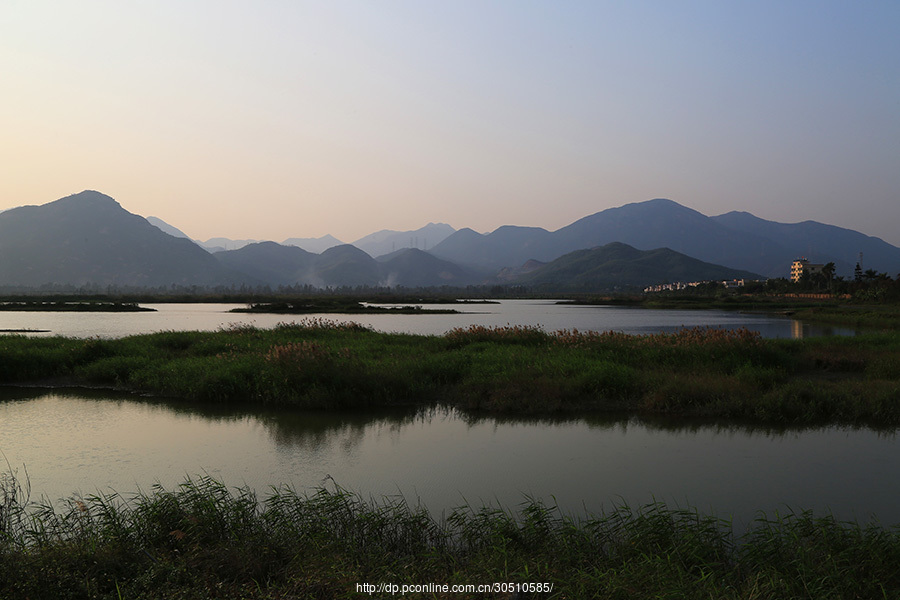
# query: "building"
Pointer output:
{"type": "Point", "coordinates": [734, 283]}
{"type": "Point", "coordinates": [801, 265]}
{"type": "Point", "coordinates": [672, 287]}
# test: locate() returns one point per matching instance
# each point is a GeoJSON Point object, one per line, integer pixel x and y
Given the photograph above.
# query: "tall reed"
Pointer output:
{"type": "Point", "coordinates": [202, 539]}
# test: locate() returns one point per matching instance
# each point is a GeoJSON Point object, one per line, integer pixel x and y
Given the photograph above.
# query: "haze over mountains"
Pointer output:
{"type": "Point", "coordinates": [374, 244]}
{"type": "Point", "coordinates": [89, 239]}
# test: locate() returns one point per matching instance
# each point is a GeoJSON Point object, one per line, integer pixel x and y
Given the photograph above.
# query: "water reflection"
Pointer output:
{"type": "Point", "coordinates": [317, 430]}
{"type": "Point", "coordinates": [800, 330]}
{"type": "Point", "coordinates": [84, 441]}
{"type": "Point", "coordinates": [620, 421]}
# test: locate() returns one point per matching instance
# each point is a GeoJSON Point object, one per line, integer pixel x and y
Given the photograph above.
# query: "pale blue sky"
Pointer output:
{"type": "Point", "coordinates": [275, 119]}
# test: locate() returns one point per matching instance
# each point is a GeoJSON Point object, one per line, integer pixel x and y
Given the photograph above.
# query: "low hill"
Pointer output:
{"type": "Point", "coordinates": [270, 263]}
{"type": "Point", "coordinates": [346, 265]}
{"type": "Point", "coordinates": [411, 267]}
{"type": "Point", "coordinates": [619, 266]}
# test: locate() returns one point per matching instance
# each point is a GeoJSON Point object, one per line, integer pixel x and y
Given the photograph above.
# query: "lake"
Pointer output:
{"type": "Point", "coordinates": [544, 313]}
{"type": "Point", "coordinates": [82, 442]}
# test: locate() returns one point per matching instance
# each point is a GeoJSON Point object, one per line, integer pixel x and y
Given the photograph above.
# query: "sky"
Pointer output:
{"type": "Point", "coordinates": [277, 119]}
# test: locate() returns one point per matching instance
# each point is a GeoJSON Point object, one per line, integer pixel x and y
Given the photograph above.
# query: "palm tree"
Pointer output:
{"type": "Point", "coordinates": [828, 273]}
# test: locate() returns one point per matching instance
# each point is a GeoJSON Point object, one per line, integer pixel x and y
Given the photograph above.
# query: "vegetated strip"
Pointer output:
{"type": "Point", "coordinates": [319, 363]}
{"type": "Point", "coordinates": [68, 306]}
{"type": "Point", "coordinates": [202, 540]}
{"type": "Point", "coordinates": [337, 307]}
{"type": "Point", "coordinates": [832, 312]}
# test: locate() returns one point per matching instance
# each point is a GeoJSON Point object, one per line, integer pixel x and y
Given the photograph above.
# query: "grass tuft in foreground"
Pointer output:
{"type": "Point", "coordinates": [203, 540]}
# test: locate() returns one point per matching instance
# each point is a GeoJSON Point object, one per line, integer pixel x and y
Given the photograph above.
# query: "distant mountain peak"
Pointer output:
{"type": "Point", "coordinates": [88, 198]}
{"type": "Point", "coordinates": [89, 239]}
{"type": "Point", "coordinates": [659, 203]}
{"type": "Point", "coordinates": [388, 240]}
{"type": "Point", "coordinates": [314, 245]}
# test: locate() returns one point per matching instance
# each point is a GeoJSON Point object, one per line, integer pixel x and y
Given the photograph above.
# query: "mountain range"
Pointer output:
{"type": "Point", "coordinates": [374, 244]}
{"type": "Point", "coordinates": [736, 239]}
{"type": "Point", "coordinates": [89, 239]}
{"type": "Point", "coordinates": [345, 265]}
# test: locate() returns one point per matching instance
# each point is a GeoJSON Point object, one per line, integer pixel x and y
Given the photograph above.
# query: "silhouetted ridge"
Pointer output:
{"type": "Point", "coordinates": [737, 240]}
{"type": "Point", "coordinates": [86, 198]}
{"type": "Point", "coordinates": [88, 238]}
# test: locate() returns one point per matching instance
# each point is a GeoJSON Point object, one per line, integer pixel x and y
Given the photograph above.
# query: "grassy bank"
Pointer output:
{"type": "Point", "coordinates": [203, 540]}
{"type": "Point", "coordinates": [318, 363]}
{"type": "Point", "coordinates": [832, 310]}
{"type": "Point", "coordinates": [862, 316]}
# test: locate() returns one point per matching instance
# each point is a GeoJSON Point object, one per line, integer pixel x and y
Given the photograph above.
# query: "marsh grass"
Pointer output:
{"type": "Point", "coordinates": [886, 316]}
{"type": "Point", "coordinates": [321, 363]}
{"type": "Point", "coordinates": [202, 539]}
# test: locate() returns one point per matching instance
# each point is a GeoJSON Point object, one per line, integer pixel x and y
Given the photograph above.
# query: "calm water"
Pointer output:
{"type": "Point", "coordinates": [545, 313]}
{"type": "Point", "coordinates": [84, 442]}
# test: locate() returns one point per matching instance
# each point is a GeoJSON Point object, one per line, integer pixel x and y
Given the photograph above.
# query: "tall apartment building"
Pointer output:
{"type": "Point", "coordinates": [800, 265]}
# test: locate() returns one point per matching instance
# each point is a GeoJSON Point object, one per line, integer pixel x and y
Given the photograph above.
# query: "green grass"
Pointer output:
{"type": "Point", "coordinates": [203, 540]}
{"type": "Point", "coordinates": [522, 370]}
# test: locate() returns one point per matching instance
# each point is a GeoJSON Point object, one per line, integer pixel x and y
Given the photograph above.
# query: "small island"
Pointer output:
{"type": "Point", "coordinates": [338, 306]}
{"type": "Point", "coordinates": [66, 306]}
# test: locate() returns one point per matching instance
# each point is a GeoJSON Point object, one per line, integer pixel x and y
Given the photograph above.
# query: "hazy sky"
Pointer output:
{"type": "Point", "coordinates": [284, 119]}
